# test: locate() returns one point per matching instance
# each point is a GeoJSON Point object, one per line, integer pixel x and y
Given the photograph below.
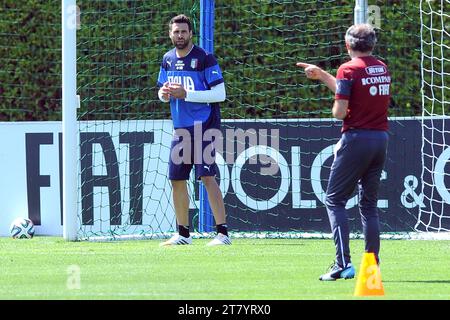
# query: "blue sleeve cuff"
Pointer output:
{"type": "Point", "coordinates": [215, 82]}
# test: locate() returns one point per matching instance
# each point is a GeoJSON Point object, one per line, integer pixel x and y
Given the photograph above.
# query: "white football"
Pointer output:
{"type": "Point", "coordinates": [22, 228]}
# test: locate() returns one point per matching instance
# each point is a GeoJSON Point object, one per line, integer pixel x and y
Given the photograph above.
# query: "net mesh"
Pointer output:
{"type": "Point", "coordinates": [126, 131]}
{"type": "Point", "coordinates": [124, 148]}
{"type": "Point", "coordinates": [434, 201]}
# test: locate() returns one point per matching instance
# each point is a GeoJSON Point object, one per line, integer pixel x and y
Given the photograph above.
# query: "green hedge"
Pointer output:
{"type": "Point", "coordinates": [258, 46]}
{"type": "Point", "coordinates": [30, 58]}
{"type": "Point", "coordinates": [257, 43]}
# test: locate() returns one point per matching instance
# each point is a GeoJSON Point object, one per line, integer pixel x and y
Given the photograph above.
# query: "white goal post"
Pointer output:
{"type": "Point", "coordinates": [360, 15]}
{"type": "Point", "coordinates": [70, 102]}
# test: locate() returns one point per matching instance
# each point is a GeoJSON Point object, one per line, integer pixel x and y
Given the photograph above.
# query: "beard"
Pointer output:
{"type": "Point", "coordinates": [181, 44]}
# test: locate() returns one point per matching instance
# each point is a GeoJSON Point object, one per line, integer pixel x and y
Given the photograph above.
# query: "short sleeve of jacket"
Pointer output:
{"type": "Point", "coordinates": [344, 82]}
{"type": "Point", "coordinates": [162, 77]}
{"type": "Point", "coordinates": [213, 74]}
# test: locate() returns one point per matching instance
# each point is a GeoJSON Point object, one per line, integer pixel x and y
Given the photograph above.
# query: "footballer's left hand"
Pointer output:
{"type": "Point", "coordinates": [177, 91]}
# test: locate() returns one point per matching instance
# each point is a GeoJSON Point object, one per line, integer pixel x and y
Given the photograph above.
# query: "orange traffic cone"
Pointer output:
{"type": "Point", "coordinates": [369, 277]}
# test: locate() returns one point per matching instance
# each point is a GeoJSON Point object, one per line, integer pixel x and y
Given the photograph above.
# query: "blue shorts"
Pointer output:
{"type": "Point", "coordinates": [188, 150]}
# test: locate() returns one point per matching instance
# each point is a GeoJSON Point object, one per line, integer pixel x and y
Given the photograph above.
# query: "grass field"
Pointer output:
{"type": "Point", "coordinates": [250, 269]}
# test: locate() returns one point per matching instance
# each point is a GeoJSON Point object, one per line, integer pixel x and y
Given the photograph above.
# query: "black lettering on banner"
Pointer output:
{"type": "Point", "coordinates": [89, 180]}
{"type": "Point", "coordinates": [35, 180]}
{"type": "Point", "coordinates": [136, 141]}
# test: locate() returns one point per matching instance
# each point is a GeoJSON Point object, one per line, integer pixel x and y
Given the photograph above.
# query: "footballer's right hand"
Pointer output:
{"type": "Point", "coordinates": [165, 91]}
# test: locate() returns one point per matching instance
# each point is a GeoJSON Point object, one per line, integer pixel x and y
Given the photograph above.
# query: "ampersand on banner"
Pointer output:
{"type": "Point", "coordinates": [410, 183]}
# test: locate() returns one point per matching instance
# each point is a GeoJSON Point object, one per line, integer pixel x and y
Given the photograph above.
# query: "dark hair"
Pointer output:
{"type": "Point", "coordinates": [361, 37]}
{"type": "Point", "coordinates": [181, 18]}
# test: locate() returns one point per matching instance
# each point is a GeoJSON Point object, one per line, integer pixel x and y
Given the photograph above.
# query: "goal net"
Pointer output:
{"type": "Point", "coordinates": [434, 201]}
{"type": "Point", "coordinates": [278, 130]}
{"type": "Point", "coordinates": [125, 131]}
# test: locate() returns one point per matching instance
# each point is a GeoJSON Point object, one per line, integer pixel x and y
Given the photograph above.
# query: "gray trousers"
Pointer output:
{"type": "Point", "coordinates": [359, 160]}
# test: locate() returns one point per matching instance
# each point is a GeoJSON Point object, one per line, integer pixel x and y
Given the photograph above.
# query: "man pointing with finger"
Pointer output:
{"type": "Point", "coordinates": [362, 94]}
